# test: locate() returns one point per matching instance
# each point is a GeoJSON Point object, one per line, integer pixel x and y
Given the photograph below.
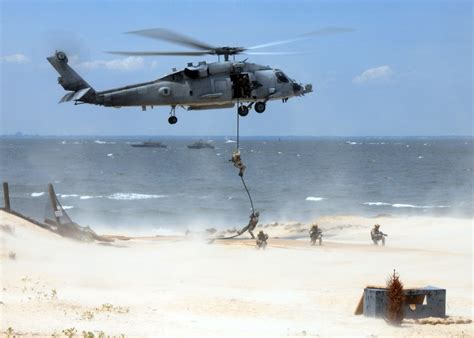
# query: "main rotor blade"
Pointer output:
{"type": "Point", "coordinates": [274, 53]}
{"type": "Point", "coordinates": [167, 35]}
{"type": "Point", "coordinates": [184, 53]}
{"type": "Point", "coordinates": [320, 32]}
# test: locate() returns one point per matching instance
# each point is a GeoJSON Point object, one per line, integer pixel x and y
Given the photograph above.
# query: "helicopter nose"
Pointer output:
{"type": "Point", "coordinates": [297, 88]}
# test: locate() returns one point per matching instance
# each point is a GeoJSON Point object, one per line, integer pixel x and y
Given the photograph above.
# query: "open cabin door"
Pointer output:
{"type": "Point", "coordinates": [241, 85]}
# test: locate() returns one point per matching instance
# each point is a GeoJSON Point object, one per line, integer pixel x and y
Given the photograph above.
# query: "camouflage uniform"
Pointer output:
{"type": "Point", "coordinates": [262, 240]}
{"type": "Point", "coordinates": [253, 223]}
{"type": "Point", "coordinates": [237, 161]}
{"type": "Point", "coordinates": [377, 235]}
{"type": "Point", "coordinates": [315, 234]}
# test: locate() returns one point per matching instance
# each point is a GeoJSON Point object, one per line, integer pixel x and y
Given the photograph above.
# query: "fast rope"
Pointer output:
{"type": "Point", "coordinates": [238, 149]}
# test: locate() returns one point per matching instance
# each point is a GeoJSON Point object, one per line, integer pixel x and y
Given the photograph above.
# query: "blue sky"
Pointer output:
{"type": "Point", "coordinates": [405, 70]}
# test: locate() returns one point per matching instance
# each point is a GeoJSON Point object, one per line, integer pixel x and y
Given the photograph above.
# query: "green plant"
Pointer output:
{"type": "Point", "coordinates": [70, 332]}
{"type": "Point", "coordinates": [9, 332]}
{"type": "Point", "coordinates": [396, 298]}
{"type": "Point", "coordinates": [87, 315]}
{"type": "Point", "coordinates": [87, 334]}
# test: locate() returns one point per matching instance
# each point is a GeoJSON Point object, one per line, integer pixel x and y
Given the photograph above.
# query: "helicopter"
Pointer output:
{"type": "Point", "coordinates": [201, 86]}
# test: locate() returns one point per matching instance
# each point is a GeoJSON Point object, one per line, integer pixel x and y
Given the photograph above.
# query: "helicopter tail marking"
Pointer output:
{"type": "Point", "coordinates": [70, 80]}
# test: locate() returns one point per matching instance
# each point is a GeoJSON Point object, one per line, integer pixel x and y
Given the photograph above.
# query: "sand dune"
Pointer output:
{"type": "Point", "coordinates": [186, 286]}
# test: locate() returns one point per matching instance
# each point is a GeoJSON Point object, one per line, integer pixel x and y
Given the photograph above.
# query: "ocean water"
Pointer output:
{"type": "Point", "coordinates": [106, 183]}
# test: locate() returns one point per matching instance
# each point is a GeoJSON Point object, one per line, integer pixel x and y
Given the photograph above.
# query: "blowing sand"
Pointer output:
{"type": "Point", "coordinates": [185, 286]}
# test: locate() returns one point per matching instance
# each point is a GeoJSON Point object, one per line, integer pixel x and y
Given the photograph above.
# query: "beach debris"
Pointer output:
{"type": "Point", "coordinates": [262, 240]}
{"type": "Point", "coordinates": [396, 299]}
{"type": "Point", "coordinates": [429, 301]}
{"type": "Point", "coordinates": [57, 220]}
{"type": "Point", "coordinates": [315, 234]}
{"type": "Point", "coordinates": [377, 235]}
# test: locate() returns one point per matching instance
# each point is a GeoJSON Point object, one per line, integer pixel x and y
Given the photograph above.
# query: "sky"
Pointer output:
{"type": "Point", "coordinates": [405, 70]}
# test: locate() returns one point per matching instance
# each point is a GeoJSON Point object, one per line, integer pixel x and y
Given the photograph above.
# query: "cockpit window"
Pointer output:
{"type": "Point", "coordinates": [281, 77]}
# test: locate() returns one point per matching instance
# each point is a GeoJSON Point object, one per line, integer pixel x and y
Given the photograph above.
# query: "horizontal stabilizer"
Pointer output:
{"type": "Point", "coordinates": [75, 96]}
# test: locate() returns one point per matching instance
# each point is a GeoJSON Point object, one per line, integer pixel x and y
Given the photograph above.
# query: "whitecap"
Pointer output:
{"type": "Point", "coordinates": [218, 154]}
{"type": "Point", "coordinates": [230, 141]}
{"type": "Point", "coordinates": [280, 153]}
{"type": "Point", "coordinates": [110, 155]}
{"type": "Point", "coordinates": [404, 205]}
{"type": "Point", "coordinates": [314, 199]}
{"type": "Point", "coordinates": [132, 196]}
{"type": "Point", "coordinates": [377, 203]}
{"type": "Point", "coordinates": [420, 157]}
{"type": "Point", "coordinates": [67, 207]}
{"type": "Point", "coordinates": [351, 142]}
{"type": "Point", "coordinates": [37, 194]}
{"type": "Point", "coordinates": [103, 142]}
{"type": "Point", "coordinates": [67, 195]}
{"type": "Point", "coordinates": [86, 197]}
{"type": "Point", "coordinates": [63, 142]}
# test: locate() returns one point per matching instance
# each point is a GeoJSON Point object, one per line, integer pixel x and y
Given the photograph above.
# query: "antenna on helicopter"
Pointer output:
{"type": "Point", "coordinates": [207, 49]}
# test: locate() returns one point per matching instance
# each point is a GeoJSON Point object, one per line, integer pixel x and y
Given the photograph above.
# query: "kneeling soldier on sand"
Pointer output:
{"type": "Point", "coordinates": [262, 240]}
{"type": "Point", "coordinates": [377, 235]}
{"type": "Point", "coordinates": [315, 234]}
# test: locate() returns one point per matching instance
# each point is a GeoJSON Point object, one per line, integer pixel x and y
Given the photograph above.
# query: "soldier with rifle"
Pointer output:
{"type": "Point", "coordinates": [377, 235]}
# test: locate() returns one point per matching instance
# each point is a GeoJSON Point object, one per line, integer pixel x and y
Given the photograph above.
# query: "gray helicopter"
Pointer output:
{"type": "Point", "coordinates": [199, 86]}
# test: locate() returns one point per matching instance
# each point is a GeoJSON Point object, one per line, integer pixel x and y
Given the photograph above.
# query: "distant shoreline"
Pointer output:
{"type": "Point", "coordinates": [284, 137]}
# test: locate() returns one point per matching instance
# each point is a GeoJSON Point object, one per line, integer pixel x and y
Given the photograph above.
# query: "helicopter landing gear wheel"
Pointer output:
{"type": "Point", "coordinates": [243, 110]}
{"type": "Point", "coordinates": [172, 120]}
{"type": "Point", "coordinates": [260, 107]}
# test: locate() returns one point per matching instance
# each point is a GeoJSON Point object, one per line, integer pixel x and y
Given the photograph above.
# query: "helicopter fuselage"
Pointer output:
{"type": "Point", "coordinates": [207, 86]}
{"type": "Point", "coordinates": [196, 87]}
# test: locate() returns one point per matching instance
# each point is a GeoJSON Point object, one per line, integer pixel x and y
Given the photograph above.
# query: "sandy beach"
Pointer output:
{"type": "Point", "coordinates": [180, 285]}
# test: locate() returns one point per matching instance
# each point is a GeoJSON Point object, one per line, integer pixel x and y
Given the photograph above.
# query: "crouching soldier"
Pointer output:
{"type": "Point", "coordinates": [262, 240]}
{"type": "Point", "coordinates": [377, 235]}
{"type": "Point", "coordinates": [315, 234]}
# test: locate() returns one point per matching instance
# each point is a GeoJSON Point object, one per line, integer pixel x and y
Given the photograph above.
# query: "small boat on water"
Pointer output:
{"type": "Point", "coordinates": [149, 144]}
{"type": "Point", "coordinates": [201, 145]}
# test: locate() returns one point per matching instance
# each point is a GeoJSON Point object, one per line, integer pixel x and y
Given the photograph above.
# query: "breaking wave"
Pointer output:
{"type": "Point", "coordinates": [103, 142]}
{"type": "Point", "coordinates": [132, 196]}
{"type": "Point", "coordinates": [67, 195]}
{"type": "Point", "coordinates": [119, 196]}
{"type": "Point", "coordinates": [377, 203]}
{"type": "Point", "coordinates": [37, 194]}
{"type": "Point", "coordinates": [314, 199]}
{"type": "Point", "coordinates": [402, 205]}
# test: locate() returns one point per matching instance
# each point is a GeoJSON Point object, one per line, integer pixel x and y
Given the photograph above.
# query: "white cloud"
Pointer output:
{"type": "Point", "coordinates": [125, 64]}
{"type": "Point", "coordinates": [15, 58]}
{"type": "Point", "coordinates": [372, 75]}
